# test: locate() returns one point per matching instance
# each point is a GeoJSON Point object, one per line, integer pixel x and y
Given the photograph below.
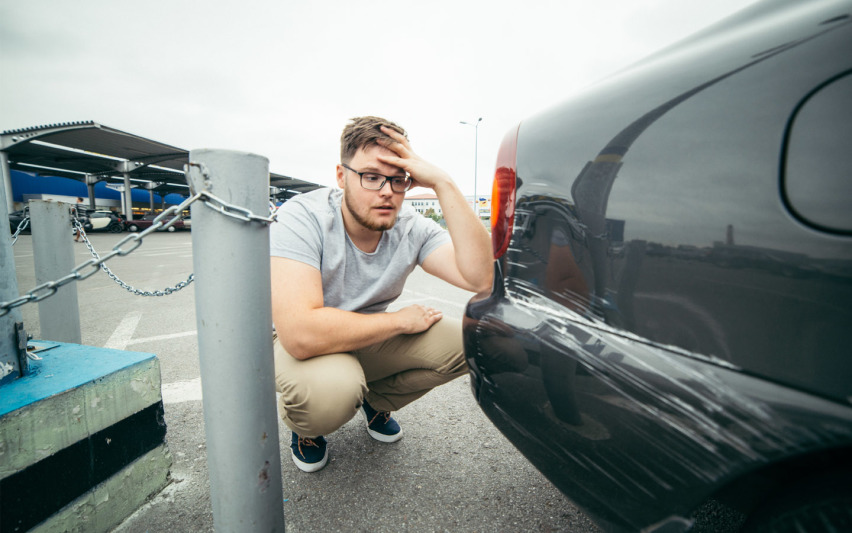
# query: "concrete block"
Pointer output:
{"type": "Point", "coordinates": [83, 417]}
{"type": "Point", "coordinates": [111, 502]}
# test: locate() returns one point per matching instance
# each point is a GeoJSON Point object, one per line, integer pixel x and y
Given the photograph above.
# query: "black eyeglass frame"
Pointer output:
{"type": "Point", "coordinates": [387, 179]}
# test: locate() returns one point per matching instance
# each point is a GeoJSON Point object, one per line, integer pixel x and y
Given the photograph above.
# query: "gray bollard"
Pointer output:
{"type": "Point", "coordinates": [234, 316]}
{"type": "Point", "coordinates": [53, 255]}
{"type": "Point", "coordinates": [10, 365]}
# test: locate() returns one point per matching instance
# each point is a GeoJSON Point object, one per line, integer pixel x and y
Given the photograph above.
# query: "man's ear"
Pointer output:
{"type": "Point", "coordinates": [341, 176]}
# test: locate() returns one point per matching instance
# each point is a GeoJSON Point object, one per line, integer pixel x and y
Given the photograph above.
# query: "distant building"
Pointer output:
{"type": "Point", "coordinates": [424, 202]}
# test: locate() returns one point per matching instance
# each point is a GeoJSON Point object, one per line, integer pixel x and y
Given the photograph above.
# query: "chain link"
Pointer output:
{"type": "Point", "coordinates": [233, 211]}
{"type": "Point", "coordinates": [90, 267]}
{"type": "Point", "coordinates": [22, 225]}
{"type": "Point", "coordinates": [111, 274]}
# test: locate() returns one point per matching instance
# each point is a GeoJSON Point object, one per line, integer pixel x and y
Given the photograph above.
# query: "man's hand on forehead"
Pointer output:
{"type": "Point", "coordinates": [423, 173]}
{"type": "Point", "coordinates": [395, 141]}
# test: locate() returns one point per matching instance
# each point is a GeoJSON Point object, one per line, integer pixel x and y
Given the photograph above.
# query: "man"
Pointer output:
{"type": "Point", "coordinates": [339, 258]}
{"type": "Point", "coordinates": [78, 214]}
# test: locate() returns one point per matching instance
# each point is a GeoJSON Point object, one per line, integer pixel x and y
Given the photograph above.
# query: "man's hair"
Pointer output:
{"type": "Point", "coordinates": [362, 132]}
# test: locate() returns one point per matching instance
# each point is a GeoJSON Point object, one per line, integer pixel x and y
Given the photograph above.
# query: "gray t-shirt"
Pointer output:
{"type": "Point", "coordinates": [310, 229]}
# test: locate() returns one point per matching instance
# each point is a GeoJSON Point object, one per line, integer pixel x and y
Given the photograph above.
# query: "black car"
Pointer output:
{"type": "Point", "coordinates": [146, 221]}
{"type": "Point", "coordinates": [671, 318]}
{"type": "Point", "coordinates": [92, 220]}
{"type": "Point", "coordinates": [16, 218]}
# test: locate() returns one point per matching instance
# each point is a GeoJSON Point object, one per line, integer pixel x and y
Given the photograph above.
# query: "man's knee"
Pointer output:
{"type": "Point", "coordinates": [456, 365]}
{"type": "Point", "coordinates": [446, 336]}
{"type": "Point", "coordinates": [321, 406]}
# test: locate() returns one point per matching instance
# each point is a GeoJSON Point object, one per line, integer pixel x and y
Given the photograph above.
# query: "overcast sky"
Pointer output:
{"type": "Point", "coordinates": [281, 78]}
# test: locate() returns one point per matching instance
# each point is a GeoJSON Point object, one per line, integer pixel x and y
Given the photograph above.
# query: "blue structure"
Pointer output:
{"type": "Point", "coordinates": [25, 183]}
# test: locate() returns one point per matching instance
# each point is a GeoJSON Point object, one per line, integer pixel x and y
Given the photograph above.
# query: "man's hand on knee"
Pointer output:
{"type": "Point", "coordinates": [418, 318]}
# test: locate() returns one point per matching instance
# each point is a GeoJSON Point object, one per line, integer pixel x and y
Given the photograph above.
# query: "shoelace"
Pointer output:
{"type": "Point", "coordinates": [385, 414]}
{"type": "Point", "coordinates": [307, 441]}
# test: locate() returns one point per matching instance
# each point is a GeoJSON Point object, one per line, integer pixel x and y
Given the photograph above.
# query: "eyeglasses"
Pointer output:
{"type": "Point", "coordinates": [374, 182]}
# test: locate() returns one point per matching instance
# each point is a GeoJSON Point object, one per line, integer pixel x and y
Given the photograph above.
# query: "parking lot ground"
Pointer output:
{"type": "Point", "coordinates": [453, 471]}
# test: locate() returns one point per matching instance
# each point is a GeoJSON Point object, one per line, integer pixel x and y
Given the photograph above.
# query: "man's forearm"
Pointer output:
{"type": "Point", "coordinates": [470, 238]}
{"type": "Point", "coordinates": [328, 330]}
{"type": "Point", "coordinates": [471, 242]}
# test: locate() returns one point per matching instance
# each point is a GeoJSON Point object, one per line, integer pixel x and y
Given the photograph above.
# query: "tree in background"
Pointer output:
{"type": "Point", "coordinates": [430, 213]}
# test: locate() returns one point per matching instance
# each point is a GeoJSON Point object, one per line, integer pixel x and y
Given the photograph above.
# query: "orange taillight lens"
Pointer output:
{"type": "Point", "coordinates": [503, 193]}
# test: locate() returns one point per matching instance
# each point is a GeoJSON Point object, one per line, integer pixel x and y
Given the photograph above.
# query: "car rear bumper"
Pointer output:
{"type": "Point", "coordinates": [636, 434]}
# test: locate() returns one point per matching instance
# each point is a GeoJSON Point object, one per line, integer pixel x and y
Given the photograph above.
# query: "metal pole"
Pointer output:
{"type": "Point", "coordinates": [10, 367]}
{"type": "Point", "coordinates": [475, 166]}
{"type": "Point", "coordinates": [91, 181]}
{"type": "Point", "coordinates": [53, 255]}
{"type": "Point", "coordinates": [234, 317]}
{"type": "Point", "coordinates": [475, 161]}
{"type": "Point", "coordinates": [128, 198]}
{"type": "Point", "coordinates": [7, 183]}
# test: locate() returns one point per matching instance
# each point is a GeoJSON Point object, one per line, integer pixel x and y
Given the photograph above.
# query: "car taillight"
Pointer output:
{"type": "Point", "coordinates": [503, 193]}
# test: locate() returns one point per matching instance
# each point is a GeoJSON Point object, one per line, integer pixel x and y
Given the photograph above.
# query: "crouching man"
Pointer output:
{"type": "Point", "coordinates": [339, 258]}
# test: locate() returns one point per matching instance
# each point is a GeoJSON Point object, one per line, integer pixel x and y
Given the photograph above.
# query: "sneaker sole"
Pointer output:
{"type": "Point", "coordinates": [310, 467]}
{"type": "Point", "coordinates": [381, 437]}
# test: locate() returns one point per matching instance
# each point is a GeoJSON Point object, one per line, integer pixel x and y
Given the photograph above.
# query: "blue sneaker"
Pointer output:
{"type": "Point", "coordinates": [309, 454]}
{"type": "Point", "coordinates": [380, 425]}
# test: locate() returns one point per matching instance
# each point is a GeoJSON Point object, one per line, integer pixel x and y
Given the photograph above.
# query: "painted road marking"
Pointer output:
{"type": "Point", "coordinates": [182, 391]}
{"type": "Point", "coordinates": [124, 332]}
{"type": "Point", "coordinates": [165, 337]}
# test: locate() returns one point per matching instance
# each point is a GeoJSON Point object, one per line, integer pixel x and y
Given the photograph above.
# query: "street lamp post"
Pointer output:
{"type": "Point", "coordinates": [475, 160]}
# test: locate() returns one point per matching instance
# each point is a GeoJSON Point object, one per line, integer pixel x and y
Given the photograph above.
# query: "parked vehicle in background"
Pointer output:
{"type": "Point", "coordinates": [15, 219]}
{"type": "Point", "coordinates": [147, 221]}
{"type": "Point", "coordinates": [101, 221]}
{"type": "Point", "coordinates": [671, 317]}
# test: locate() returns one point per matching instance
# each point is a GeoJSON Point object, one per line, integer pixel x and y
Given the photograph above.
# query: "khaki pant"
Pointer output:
{"type": "Point", "coordinates": [320, 394]}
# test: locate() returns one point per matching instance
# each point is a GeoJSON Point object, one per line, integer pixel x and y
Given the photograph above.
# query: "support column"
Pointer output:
{"type": "Point", "coordinates": [128, 198]}
{"type": "Point", "coordinates": [53, 255]}
{"type": "Point", "coordinates": [10, 367]}
{"type": "Point", "coordinates": [91, 181]}
{"type": "Point", "coordinates": [6, 174]}
{"type": "Point", "coordinates": [151, 186]}
{"type": "Point", "coordinates": [234, 317]}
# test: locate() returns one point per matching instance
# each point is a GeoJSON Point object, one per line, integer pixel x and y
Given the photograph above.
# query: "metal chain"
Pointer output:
{"type": "Point", "coordinates": [22, 225]}
{"type": "Point", "coordinates": [90, 267]}
{"type": "Point", "coordinates": [122, 284]}
{"type": "Point", "coordinates": [240, 213]}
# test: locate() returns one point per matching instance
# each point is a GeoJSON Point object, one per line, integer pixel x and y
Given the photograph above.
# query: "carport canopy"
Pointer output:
{"type": "Point", "coordinates": [91, 152]}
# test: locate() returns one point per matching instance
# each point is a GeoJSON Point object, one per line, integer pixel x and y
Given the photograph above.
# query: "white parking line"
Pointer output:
{"type": "Point", "coordinates": [419, 297]}
{"type": "Point", "coordinates": [156, 254]}
{"type": "Point", "coordinates": [124, 332]}
{"type": "Point", "coordinates": [182, 391]}
{"type": "Point", "coordinates": [165, 337]}
{"type": "Point", "coordinates": [185, 391]}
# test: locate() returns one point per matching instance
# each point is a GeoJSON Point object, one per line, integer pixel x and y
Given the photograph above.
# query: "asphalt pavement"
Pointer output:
{"type": "Point", "coordinates": [452, 471]}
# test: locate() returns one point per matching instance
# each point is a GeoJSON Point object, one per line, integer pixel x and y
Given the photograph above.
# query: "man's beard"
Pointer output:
{"type": "Point", "coordinates": [371, 225]}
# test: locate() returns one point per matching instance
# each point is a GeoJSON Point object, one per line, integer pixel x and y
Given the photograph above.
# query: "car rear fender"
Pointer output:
{"type": "Point", "coordinates": [668, 428]}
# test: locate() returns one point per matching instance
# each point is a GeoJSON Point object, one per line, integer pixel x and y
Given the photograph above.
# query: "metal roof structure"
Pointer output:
{"type": "Point", "coordinates": [91, 152]}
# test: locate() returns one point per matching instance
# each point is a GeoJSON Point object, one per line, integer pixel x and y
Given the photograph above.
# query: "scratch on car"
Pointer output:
{"type": "Point", "coordinates": [718, 427]}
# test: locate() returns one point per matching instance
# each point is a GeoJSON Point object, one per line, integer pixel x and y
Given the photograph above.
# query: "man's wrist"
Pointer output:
{"type": "Point", "coordinates": [446, 186]}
